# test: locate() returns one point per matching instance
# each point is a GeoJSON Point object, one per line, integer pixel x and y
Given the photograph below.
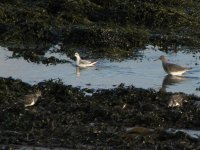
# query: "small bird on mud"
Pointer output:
{"type": "Point", "coordinates": [83, 63]}
{"type": "Point", "coordinates": [176, 100]}
{"type": "Point", "coordinates": [172, 69]}
{"type": "Point", "coordinates": [31, 99]}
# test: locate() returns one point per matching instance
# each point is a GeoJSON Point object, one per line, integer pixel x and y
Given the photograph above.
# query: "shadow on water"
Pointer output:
{"type": "Point", "coordinates": [170, 80]}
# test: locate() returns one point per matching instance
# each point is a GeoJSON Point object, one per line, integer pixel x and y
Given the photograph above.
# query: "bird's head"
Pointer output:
{"type": "Point", "coordinates": [163, 58]}
{"type": "Point", "coordinates": [76, 55]}
{"type": "Point", "coordinates": [38, 93]}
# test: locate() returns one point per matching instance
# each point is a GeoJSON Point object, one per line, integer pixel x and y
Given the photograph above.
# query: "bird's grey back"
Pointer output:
{"type": "Point", "coordinates": [85, 61]}
{"type": "Point", "coordinates": [169, 67]}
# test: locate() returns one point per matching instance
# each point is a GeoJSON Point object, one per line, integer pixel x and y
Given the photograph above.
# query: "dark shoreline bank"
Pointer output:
{"type": "Point", "coordinates": [112, 29]}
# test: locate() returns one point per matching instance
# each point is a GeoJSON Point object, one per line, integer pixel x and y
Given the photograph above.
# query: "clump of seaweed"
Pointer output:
{"type": "Point", "coordinates": [65, 117]}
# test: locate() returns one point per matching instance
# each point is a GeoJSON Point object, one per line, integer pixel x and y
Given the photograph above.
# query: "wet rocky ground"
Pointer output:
{"type": "Point", "coordinates": [64, 116]}
{"type": "Point", "coordinates": [121, 118]}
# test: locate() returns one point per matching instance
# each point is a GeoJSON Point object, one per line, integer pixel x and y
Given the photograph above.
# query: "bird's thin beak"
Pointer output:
{"type": "Point", "coordinates": [156, 59]}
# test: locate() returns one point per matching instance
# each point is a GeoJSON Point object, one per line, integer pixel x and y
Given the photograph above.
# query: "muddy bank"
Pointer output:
{"type": "Point", "coordinates": [65, 117]}
{"type": "Point", "coordinates": [111, 29]}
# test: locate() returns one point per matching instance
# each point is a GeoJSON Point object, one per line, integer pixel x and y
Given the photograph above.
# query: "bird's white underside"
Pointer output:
{"type": "Point", "coordinates": [177, 73]}
{"type": "Point", "coordinates": [31, 104]}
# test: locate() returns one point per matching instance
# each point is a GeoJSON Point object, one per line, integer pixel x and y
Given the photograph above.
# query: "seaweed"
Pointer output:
{"type": "Point", "coordinates": [101, 27]}
{"type": "Point", "coordinates": [65, 117]}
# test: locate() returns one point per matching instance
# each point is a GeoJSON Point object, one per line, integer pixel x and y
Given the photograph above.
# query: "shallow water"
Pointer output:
{"type": "Point", "coordinates": [29, 147]}
{"type": "Point", "coordinates": [142, 73]}
{"type": "Point", "coordinates": [195, 134]}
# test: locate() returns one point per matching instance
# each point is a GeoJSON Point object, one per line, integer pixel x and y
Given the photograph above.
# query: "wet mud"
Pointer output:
{"type": "Point", "coordinates": [124, 117]}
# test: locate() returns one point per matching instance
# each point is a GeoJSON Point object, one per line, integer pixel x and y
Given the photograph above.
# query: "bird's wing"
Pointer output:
{"type": "Point", "coordinates": [85, 61]}
{"type": "Point", "coordinates": [173, 67]}
{"type": "Point", "coordinates": [28, 99]}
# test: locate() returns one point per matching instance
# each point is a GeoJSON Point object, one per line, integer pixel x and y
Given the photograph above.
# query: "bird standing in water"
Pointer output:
{"type": "Point", "coordinates": [172, 69]}
{"type": "Point", "coordinates": [83, 63]}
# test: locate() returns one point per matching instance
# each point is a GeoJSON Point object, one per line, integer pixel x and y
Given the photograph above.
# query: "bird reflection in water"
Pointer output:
{"type": "Point", "coordinates": [171, 80]}
{"type": "Point", "coordinates": [78, 71]}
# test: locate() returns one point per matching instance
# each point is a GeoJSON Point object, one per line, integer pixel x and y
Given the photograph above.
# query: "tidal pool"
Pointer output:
{"type": "Point", "coordinates": [142, 72]}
